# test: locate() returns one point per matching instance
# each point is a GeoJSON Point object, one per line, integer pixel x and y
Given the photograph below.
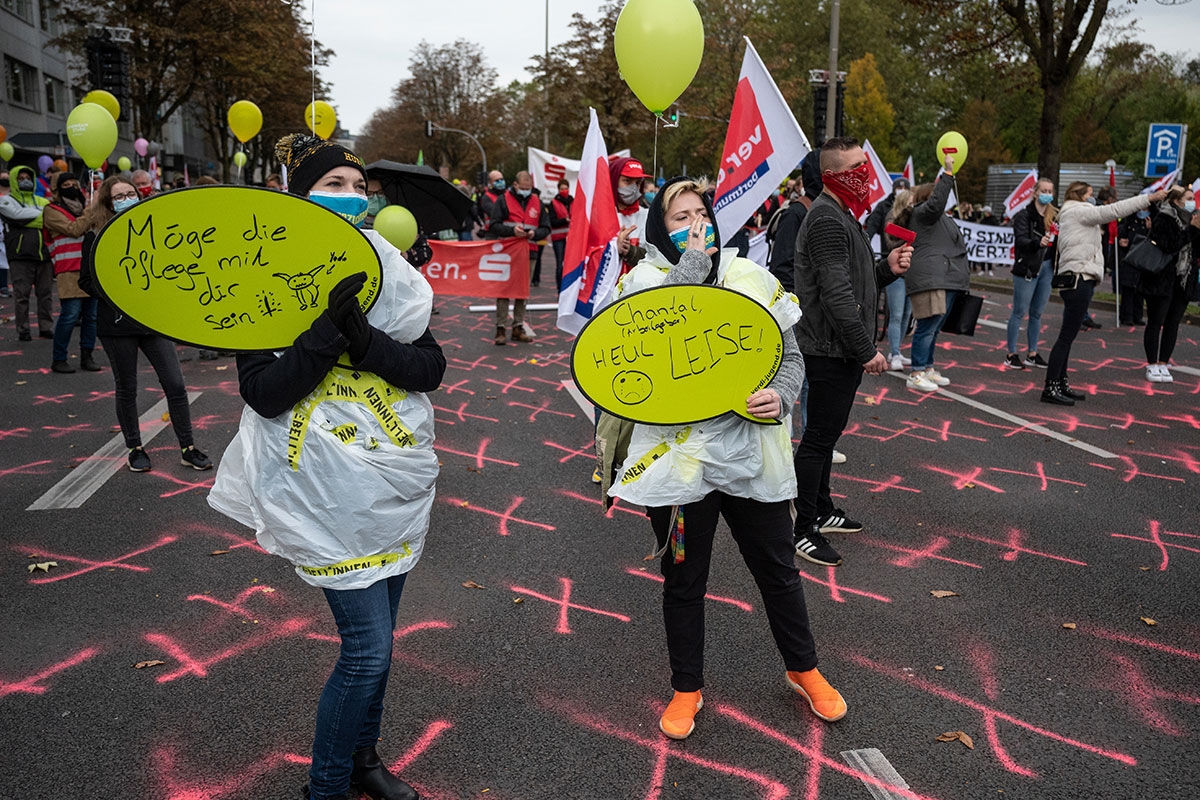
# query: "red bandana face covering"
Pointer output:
{"type": "Point", "coordinates": [851, 187]}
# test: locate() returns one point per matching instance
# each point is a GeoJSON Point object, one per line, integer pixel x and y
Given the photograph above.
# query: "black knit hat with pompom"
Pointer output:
{"type": "Point", "coordinates": [308, 157]}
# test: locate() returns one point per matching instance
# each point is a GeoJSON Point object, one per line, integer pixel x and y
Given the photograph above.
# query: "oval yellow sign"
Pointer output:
{"type": "Point", "coordinates": [230, 267]}
{"type": "Point", "coordinates": [678, 354]}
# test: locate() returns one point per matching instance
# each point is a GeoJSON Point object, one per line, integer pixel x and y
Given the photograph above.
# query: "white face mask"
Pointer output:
{"type": "Point", "coordinates": [629, 194]}
{"type": "Point", "coordinates": [1189, 206]}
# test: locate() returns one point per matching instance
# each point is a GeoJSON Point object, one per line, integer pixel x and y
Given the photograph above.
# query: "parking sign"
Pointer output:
{"type": "Point", "coordinates": [1164, 148]}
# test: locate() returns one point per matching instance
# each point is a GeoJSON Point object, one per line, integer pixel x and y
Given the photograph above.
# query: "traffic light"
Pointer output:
{"type": "Point", "coordinates": [108, 69]}
{"type": "Point", "coordinates": [429, 128]}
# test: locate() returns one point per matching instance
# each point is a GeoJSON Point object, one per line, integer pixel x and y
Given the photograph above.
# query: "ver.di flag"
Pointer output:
{"type": "Point", "coordinates": [879, 181]}
{"type": "Point", "coordinates": [591, 264]}
{"type": "Point", "coordinates": [1022, 195]}
{"type": "Point", "coordinates": [1165, 182]}
{"type": "Point", "coordinates": [763, 145]}
{"type": "Point", "coordinates": [909, 174]}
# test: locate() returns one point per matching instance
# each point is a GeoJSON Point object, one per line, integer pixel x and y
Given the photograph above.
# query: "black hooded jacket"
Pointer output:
{"type": "Point", "coordinates": [658, 235]}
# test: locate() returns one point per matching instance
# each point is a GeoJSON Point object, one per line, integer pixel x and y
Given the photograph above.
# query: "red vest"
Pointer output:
{"type": "Point", "coordinates": [562, 212]}
{"type": "Point", "coordinates": [529, 216]}
{"type": "Point", "coordinates": [66, 252]}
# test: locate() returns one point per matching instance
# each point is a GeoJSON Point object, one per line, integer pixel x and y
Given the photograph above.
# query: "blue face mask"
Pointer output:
{"type": "Point", "coordinates": [1045, 199]}
{"type": "Point", "coordinates": [679, 237]}
{"type": "Point", "coordinates": [649, 197]}
{"type": "Point", "coordinates": [1189, 206]}
{"type": "Point", "coordinates": [523, 193]}
{"type": "Point", "coordinates": [499, 185]}
{"type": "Point", "coordinates": [349, 206]}
{"type": "Point", "coordinates": [124, 203]}
{"type": "Point", "coordinates": [1091, 201]}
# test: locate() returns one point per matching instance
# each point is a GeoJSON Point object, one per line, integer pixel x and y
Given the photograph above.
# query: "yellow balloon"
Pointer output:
{"type": "Point", "coordinates": [658, 44]}
{"type": "Point", "coordinates": [123, 163]}
{"type": "Point", "coordinates": [105, 100]}
{"type": "Point", "coordinates": [245, 120]}
{"type": "Point", "coordinates": [952, 144]}
{"type": "Point", "coordinates": [397, 225]}
{"type": "Point", "coordinates": [6, 151]}
{"type": "Point", "coordinates": [239, 158]}
{"type": "Point", "coordinates": [92, 131]}
{"type": "Point", "coordinates": [321, 119]}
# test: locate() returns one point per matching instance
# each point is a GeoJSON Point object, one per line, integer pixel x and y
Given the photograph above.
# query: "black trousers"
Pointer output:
{"type": "Point", "coordinates": [122, 352]}
{"type": "Point", "coordinates": [1163, 315]}
{"type": "Point", "coordinates": [832, 384]}
{"type": "Point", "coordinates": [1075, 307]}
{"type": "Point", "coordinates": [763, 533]}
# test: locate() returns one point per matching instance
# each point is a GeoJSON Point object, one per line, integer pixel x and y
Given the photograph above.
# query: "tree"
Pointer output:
{"type": "Point", "coordinates": [869, 115]}
{"type": "Point", "coordinates": [978, 124]}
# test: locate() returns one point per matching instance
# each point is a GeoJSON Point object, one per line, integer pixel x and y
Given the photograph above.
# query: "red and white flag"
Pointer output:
{"type": "Point", "coordinates": [879, 181]}
{"type": "Point", "coordinates": [591, 264]}
{"type": "Point", "coordinates": [1165, 182]}
{"type": "Point", "coordinates": [1022, 195]}
{"type": "Point", "coordinates": [763, 145]}
{"type": "Point", "coordinates": [909, 174]}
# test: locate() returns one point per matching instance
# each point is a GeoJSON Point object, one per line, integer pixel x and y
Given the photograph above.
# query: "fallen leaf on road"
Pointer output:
{"type": "Point", "coordinates": [968, 486]}
{"type": "Point", "coordinates": [940, 593]}
{"type": "Point", "coordinates": [1069, 626]}
{"type": "Point", "coordinates": [1146, 620]}
{"type": "Point", "coordinates": [218, 552]}
{"type": "Point", "coordinates": [871, 401]}
{"type": "Point", "coordinates": [144, 664]}
{"type": "Point", "coordinates": [959, 736]}
{"type": "Point", "coordinates": [44, 566]}
{"type": "Point", "coordinates": [166, 417]}
{"type": "Point", "coordinates": [471, 585]}
{"type": "Point", "coordinates": [1144, 569]}
{"type": "Point", "coordinates": [518, 600]}
{"type": "Point", "coordinates": [940, 668]}
{"type": "Point", "coordinates": [464, 504]}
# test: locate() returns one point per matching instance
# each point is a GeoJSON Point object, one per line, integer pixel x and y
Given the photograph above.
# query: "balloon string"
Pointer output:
{"type": "Point", "coordinates": [312, 47]}
{"type": "Point", "coordinates": [654, 174]}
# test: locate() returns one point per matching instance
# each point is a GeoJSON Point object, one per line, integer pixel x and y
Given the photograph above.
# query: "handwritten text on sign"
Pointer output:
{"type": "Point", "coordinates": [677, 354]}
{"type": "Point", "coordinates": [230, 268]}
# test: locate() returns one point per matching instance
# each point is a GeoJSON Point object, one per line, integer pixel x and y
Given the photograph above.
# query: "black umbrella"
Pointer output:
{"type": "Point", "coordinates": [436, 203]}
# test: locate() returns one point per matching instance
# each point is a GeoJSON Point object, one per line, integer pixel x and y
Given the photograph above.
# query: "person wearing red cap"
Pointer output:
{"type": "Point", "coordinates": [627, 176]}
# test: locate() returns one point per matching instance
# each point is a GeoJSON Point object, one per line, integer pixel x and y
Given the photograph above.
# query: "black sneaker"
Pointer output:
{"type": "Point", "coordinates": [1013, 361]}
{"type": "Point", "coordinates": [813, 547]}
{"type": "Point", "coordinates": [191, 457]}
{"type": "Point", "coordinates": [25, 336]}
{"type": "Point", "coordinates": [838, 522]}
{"type": "Point", "coordinates": [1036, 360]}
{"type": "Point", "coordinates": [138, 460]}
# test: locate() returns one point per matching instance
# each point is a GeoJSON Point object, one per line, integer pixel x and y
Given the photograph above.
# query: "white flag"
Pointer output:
{"type": "Point", "coordinates": [763, 145]}
{"type": "Point", "coordinates": [909, 173]}
{"type": "Point", "coordinates": [1165, 182]}
{"type": "Point", "coordinates": [1022, 195]}
{"type": "Point", "coordinates": [880, 182]}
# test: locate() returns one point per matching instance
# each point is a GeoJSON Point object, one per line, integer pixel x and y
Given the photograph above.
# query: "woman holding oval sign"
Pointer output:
{"type": "Point", "coordinates": [333, 466]}
{"type": "Point", "coordinates": [688, 476]}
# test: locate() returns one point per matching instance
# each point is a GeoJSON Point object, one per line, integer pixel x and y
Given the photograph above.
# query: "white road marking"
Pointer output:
{"type": "Point", "coordinates": [873, 763]}
{"type": "Point", "coordinates": [528, 307]}
{"type": "Point", "coordinates": [1024, 423]}
{"type": "Point", "coordinates": [1186, 370]}
{"type": "Point", "coordinates": [588, 409]}
{"type": "Point", "coordinates": [87, 478]}
{"type": "Point", "coordinates": [1001, 325]}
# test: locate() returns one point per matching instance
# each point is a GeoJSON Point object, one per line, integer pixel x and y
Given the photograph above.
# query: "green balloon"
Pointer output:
{"type": "Point", "coordinates": [239, 158]}
{"type": "Point", "coordinates": [93, 133]}
{"type": "Point", "coordinates": [123, 163]}
{"type": "Point", "coordinates": [658, 44]}
{"type": "Point", "coordinates": [6, 151]}
{"type": "Point", "coordinates": [397, 225]}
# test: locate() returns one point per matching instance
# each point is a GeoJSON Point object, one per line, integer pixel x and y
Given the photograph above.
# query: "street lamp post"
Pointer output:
{"type": "Point", "coordinates": [431, 126]}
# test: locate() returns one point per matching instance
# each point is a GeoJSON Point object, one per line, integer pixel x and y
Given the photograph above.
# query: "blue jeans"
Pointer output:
{"type": "Point", "coordinates": [899, 313]}
{"type": "Point", "coordinates": [69, 310]}
{"type": "Point", "coordinates": [351, 704]}
{"type": "Point", "coordinates": [1029, 297]}
{"type": "Point", "coordinates": [925, 336]}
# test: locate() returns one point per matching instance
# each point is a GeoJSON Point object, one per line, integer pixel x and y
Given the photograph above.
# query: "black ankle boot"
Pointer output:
{"type": "Point", "coordinates": [372, 778]}
{"type": "Point", "coordinates": [86, 361]}
{"type": "Point", "coordinates": [1053, 394]}
{"type": "Point", "coordinates": [1074, 394]}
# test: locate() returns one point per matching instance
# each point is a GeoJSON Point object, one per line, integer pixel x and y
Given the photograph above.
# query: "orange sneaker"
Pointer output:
{"type": "Point", "coordinates": [823, 699]}
{"type": "Point", "coordinates": [679, 720]}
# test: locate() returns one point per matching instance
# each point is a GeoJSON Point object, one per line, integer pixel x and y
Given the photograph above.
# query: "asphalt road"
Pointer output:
{"type": "Point", "coordinates": [547, 681]}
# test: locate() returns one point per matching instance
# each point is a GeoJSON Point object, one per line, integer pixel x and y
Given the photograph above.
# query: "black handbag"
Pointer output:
{"type": "Point", "coordinates": [1148, 257]}
{"type": "Point", "coordinates": [963, 315]}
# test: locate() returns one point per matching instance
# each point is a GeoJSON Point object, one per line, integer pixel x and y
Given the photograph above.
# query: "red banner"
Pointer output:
{"type": "Point", "coordinates": [489, 268]}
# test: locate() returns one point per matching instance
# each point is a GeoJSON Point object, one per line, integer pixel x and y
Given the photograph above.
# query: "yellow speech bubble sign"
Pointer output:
{"type": "Point", "coordinates": [230, 268]}
{"type": "Point", "coordinates": [674, 355]}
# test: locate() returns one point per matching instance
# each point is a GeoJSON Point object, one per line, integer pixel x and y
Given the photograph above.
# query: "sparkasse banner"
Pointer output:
{"type": "Point", "coordinates": [490, 268]}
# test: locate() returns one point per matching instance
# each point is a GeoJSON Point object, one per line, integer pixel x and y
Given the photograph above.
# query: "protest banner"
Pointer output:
{"type": "Point", "coordinates": [488, 268]}
{"type": "Point", "coordinates": [674, 355]}
{"type": "Point", "coordinates": [230, 268]}
{"type": "Point", "coordinates": [548, 169]}
{"type": "Point", "coordinates": [987, 244]}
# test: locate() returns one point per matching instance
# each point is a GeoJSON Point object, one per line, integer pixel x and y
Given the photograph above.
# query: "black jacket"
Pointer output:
{"type": "Point", "coordinates": [109, 321]}
{"type": "Point", "coordinates": [1029, 227]}
{"type": "Point", "coordinates": [1171, 234]}
{"type": "Point", "coordinates": [837, 280]}
{"type": "Point", "coordinates": [782, 262]}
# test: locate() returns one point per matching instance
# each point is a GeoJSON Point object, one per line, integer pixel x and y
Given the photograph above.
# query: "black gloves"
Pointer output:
{"type": "Point", "coordinates": [345, 313]}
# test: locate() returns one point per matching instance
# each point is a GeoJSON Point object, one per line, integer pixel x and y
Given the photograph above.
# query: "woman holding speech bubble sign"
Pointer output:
{"type": "Point", "coordinates": [123, 339]}
{"type": "Point", "coordinates": [690, 476]}
{"type": "Point", "coordinates": [333, 466]}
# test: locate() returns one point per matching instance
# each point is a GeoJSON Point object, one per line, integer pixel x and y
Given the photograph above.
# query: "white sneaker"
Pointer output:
{"type": "Point", "coordinates": [1164, 374]}
{"type": "Point", "coordinates": [906, 361]}
{"type": "Point", "coordinates": [897, 364]}
{"type": "Point", "coordinates": [917, 380]}
{"type": "Point", "coordinates": [932, 374]}
{"type": "Point", "coordinates": [1152, 373]}
{"type": "Point", "coordinates": [839, 458]}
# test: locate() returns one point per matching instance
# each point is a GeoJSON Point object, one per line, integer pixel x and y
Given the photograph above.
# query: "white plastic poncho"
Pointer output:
{"type": "Point", "coordinates": [342, 485]}
{"type": "Point", "coordinates": [673, 465]}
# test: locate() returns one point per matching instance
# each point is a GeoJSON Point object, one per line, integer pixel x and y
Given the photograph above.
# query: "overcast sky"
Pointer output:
{"type": "Point", "coordinates": [373, 39]}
